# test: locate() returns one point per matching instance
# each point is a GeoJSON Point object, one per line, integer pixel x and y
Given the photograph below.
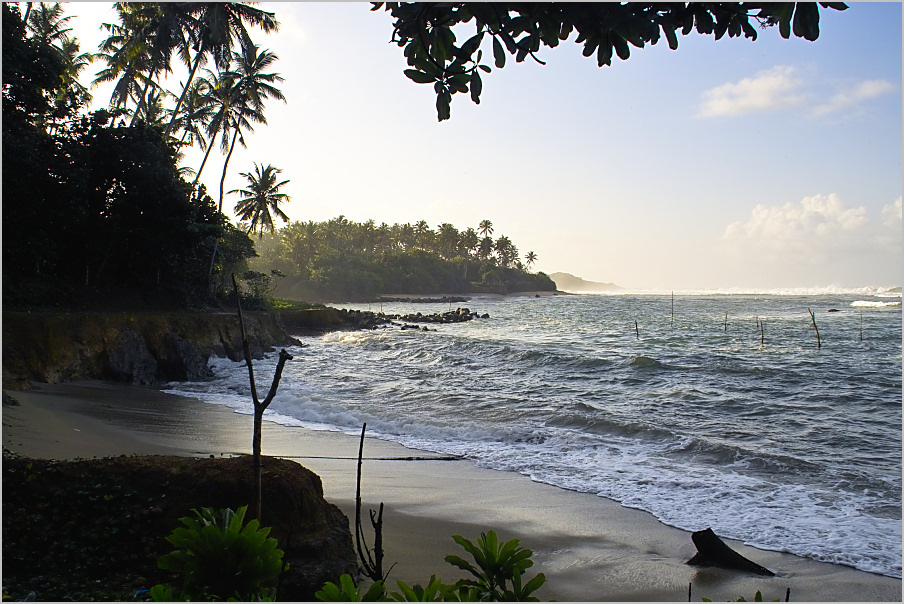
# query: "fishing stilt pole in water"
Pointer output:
{"type": "Point", "coordinates": [726, 322]}
{"type": "Point", "coordinates": [636, 330]}
{"type": "Point", "coordinates": [818, 341]}
{"type": "Point", "coordinates": [762, 333]}
{"type": "Point", "coordinates": [672, 318]}
{"type": "Point", "coordinates": [861, 324]}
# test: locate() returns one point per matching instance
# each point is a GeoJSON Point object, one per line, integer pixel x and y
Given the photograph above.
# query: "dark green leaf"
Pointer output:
{"type": "Point", "coordinates": [476, 86]}
{"type": "Point", "coordinates": [621, 47]}
{"type": "Point", "coordinates": [806, 21]}
{"type": "Point", "coordinates": [671, 37]}
{"type": "Point", "coordinates": [443, 106]}
{"type": "Point", "coordinates": [419, 76]}
{"type": "Point", "coordinates": [498, 53]}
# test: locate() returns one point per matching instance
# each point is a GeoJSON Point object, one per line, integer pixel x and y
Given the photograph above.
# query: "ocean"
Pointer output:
{"type": "Point", "coordinates": [712, 410]}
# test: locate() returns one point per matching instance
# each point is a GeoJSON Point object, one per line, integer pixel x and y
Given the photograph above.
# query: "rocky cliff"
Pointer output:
{"type": "Point", "coordinates": [142, 348]}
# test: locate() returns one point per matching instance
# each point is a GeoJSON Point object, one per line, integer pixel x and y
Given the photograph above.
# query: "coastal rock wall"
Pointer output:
{"type": "Point", "coordinates": [142, 348]}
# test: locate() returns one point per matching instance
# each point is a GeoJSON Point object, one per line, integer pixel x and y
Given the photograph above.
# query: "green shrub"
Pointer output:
{"type": "Point", "coordinates": [498, 576]}
{"type": "Point", "coordinates": [349, 591]}
{"type": "Point", "coordinates": [497, 564]}
{"type": "Point", "coordinates": [217, 557]}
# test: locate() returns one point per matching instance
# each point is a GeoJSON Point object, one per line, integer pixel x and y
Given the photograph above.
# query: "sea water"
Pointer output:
{"type": "Point", "coordinates": [706, 409]}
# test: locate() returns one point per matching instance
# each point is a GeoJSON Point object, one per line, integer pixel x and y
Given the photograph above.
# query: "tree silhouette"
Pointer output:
{"type": "Point", "coordinates": [427, 31]}
{"type": "Point", "coordinates": [261, 199]}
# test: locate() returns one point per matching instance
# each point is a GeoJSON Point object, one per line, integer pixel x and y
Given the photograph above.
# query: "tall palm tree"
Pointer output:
{"type": "Point", "coordinates": [485, 228]}
{"type": "Point", "coordinates": [214, 101]}
{"type": "Point", "coordinates": [47, 24]}
{"type": "Point", "coordinates": [530, 258]}
{"type": "Point", "coordinates": [260, 201]}
{"type": "Point", "coordinates": [49, 27]}
{"type": "Point", "coordinates": [217, 27]}
{"type": "Point", "coordinates": [140, 48]}
{"type": "Point", "coordinates": [250, 89]}
{"type": "Point", "coordinates": [468, 242]}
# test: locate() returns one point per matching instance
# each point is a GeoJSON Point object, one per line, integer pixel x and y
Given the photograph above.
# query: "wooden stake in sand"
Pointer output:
{"type": "Point", "coordinates": [813, 317]}
{"type": "Point", "coordinates": [371, 562]}
{"type": "Point", "coordinates": [259, 406]}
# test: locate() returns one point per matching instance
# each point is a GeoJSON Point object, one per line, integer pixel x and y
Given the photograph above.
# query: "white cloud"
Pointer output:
{"type": "Point", "coordinates": [854, 96]}
{"type": "Point", "coordinates": [891, 215]}
{"type": "Point", "coordinates": [818, 236]}
{"type": "Point", "coordinates": [768, 90]}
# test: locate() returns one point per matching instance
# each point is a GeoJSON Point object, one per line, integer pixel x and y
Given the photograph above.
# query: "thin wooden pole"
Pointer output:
{"type": "Point", "coordinates": [672, 319]}
{"type": "Point", "coordinates": [636, 330]}
{"type": "Point", "coordinates": [762, 333]}
{"type": "Point", "coordinates": [818, 341]}
{"type": "Point", "coordinates": [726, 321]}
{"type": "Point", "coordinates": [861, 324]}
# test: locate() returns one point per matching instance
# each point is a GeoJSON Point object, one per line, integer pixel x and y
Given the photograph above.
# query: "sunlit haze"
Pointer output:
{"type": "Point", "coordinates": [724, 164]}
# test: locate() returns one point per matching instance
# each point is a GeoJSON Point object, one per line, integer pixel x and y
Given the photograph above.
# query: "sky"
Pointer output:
{"type": "Point", "coordinates": [725, 164]}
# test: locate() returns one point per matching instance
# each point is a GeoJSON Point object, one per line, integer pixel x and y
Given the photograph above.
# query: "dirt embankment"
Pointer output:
{"type": "Point", "coordinates": [145, 347]}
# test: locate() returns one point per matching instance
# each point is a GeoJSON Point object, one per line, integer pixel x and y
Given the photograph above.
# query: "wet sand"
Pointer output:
{"type": "Point", "coordinates": [589, 547]}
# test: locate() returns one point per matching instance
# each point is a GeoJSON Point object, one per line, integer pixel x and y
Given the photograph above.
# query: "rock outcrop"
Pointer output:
{"type": "Point", "coordinates": [142, 348]}
{"type": "Point", "coordinates": [104, 522]}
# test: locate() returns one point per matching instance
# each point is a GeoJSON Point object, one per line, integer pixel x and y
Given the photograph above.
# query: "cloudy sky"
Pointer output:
{"type": "Point", "coordinates": [724, 164]}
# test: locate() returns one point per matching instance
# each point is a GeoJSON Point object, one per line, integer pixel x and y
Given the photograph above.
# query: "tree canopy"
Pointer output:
{"type": "Point", "coordinates": [346, 260]}
{"type": "Point", "coordinates": [427, 31]}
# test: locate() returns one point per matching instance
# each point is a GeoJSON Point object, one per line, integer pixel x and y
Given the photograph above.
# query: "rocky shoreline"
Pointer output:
{"type": "Point", "coordinates": [154, 348]}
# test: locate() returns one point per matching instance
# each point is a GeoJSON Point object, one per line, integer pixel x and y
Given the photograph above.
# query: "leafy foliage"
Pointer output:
{"type": "Point", "coordinates": [497, 565]}
{"type": "Point", "coordinates": [349, 591]}
{"type": "Point", "coordinates": [497, 572]}
{"type": "Point", "coordinates": [95, 211]}
{"type": "Point", "coordinates": [427, 31]}
{"type": "Point", "coordinates": [218, 555]}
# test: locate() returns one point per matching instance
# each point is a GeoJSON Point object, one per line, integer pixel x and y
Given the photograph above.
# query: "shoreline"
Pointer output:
{"type": "Point", "coordinates": [590, 548]}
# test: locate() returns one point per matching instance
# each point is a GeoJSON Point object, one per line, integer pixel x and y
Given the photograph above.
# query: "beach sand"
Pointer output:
{"type": "Point", "coordinates": [590, 548]}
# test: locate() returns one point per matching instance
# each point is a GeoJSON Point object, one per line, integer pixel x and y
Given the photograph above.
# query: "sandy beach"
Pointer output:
{"type": "Point", "coordinates": [589, 547]}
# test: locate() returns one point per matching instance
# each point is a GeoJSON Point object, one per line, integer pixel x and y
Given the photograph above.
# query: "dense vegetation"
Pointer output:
{"type": "Point", "coordinates": [96, 212]}
{"type": "Point", "coordinates": [99, 214]}
{"type": "Point", "coordinates": [346, 260]}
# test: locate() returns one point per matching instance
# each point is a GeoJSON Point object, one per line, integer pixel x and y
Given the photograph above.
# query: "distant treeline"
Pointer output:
{"type": "Point", "coordinates": [346, 260]}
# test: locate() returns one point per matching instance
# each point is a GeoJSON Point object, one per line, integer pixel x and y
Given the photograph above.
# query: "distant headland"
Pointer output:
{"type": "Point", "coordinates": [570, 283]}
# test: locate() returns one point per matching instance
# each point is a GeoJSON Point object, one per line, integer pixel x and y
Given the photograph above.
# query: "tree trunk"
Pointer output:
{"type": "Point", "coordinates": [712, 551]}
{"type": "Point", "coordinates": [191, 76]}
{"type": "Point", "coordinates": [206, 155]}
{"type": "Point", "coordinates": [141, 102]}
{"type": "Point", "coordinates": [226, 165]}
{"type": "Point", "coordinates": [256, 458]}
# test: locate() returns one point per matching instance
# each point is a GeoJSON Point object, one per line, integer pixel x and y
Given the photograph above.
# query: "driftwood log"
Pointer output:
{"type": "Point", "coordinates": [712, 551]}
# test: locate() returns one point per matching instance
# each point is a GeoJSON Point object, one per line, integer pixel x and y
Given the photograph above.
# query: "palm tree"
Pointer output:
{"type": "Point", "coordinates": [139, 49]}
{"type": "Point", "coordinates": [505, 250]}
{"type": "Point", "coordinates": [261, 199]}
{"type": "Point", "coordinates": [530, 258]}
{"type": "Point", "coordinates": [485, 228]}
{"type": "Point", "coordinates": [485, 248]}
{"type": "Point", "coordinates": [251, 88]}
{"type": "Point", "coordinates": [47, 24]}
{"type": "Point", "coordinates": [49, 27]}
{"type": "Point", "coordinates": [468, 242]}
{"type": "Point", "coordinates": [217, 26]}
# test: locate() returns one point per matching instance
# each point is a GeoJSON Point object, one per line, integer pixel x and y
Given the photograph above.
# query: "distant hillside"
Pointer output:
{"type": "Point", "coordinates": [567, 282]}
